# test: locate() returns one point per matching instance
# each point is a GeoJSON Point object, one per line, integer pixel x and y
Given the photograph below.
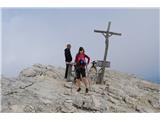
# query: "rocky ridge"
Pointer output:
{"type": "Point", "coordinates": [42, 88]}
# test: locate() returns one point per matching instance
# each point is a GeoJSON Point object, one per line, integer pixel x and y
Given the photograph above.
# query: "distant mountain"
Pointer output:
{"type": "Point", "coordinates": [42, 88]}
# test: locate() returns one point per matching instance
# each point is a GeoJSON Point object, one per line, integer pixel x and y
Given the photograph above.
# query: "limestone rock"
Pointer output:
{"type": "Point", "coordinates": [68, 85]}
{"type": "Point", "coordinates": [51, 74]}
{"type": "Point", "coordinates": [29, 72]}
{"type": "Point", "coordinates": [41, 88]}
{"type": "Point", "coordinates": [29, 108]}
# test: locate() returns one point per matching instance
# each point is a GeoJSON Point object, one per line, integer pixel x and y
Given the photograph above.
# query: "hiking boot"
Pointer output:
{"type": "Point", "coordinates": [79, 89]}
{"type": "Point", "coordinates": [86, 90]}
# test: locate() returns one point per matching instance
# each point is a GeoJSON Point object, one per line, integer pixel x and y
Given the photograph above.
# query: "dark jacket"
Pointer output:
{"type": "Point", "coordinates": [68, 56]}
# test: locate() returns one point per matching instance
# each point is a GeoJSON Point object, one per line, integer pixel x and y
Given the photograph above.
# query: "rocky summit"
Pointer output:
{"type": "Point", "coordinates": [42, 88]}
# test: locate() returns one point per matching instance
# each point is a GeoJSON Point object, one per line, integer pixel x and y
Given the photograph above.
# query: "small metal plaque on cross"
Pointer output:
{"type": "Point", "coordinates": [99, 63]}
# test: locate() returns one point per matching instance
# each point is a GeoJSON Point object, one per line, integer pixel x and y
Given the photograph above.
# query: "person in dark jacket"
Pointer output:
{"type": "Point", "coordinates": [68, 58]}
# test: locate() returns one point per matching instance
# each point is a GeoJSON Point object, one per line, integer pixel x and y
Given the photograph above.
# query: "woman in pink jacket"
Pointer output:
{"type": "Point", "coordinates": [81, 63]}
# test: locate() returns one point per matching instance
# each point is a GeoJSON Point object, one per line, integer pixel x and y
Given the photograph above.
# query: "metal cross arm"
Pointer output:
{"type": "Point", "coordinates": [110, 33]}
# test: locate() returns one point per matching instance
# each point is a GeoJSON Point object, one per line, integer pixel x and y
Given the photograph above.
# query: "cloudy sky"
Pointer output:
{"type": "Point", "coordinates": [34, 35]}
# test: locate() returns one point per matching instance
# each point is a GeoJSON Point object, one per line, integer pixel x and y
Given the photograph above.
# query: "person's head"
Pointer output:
{"type": "Point", "coordinates": [81, 50]}
{"type": "Point", "coordinates": [69, 46]}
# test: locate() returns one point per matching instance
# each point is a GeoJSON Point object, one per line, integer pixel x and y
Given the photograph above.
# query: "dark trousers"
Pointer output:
{"type": "Point", "coordinates": [66, 73]}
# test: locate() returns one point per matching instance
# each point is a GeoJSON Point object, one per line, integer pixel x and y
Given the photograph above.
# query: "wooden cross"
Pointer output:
{"type": "Point", "coordinates": [106, 34]}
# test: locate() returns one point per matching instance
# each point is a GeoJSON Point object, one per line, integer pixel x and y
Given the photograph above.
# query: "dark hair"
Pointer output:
{"type": "Point", "coordinates": [80, 49]}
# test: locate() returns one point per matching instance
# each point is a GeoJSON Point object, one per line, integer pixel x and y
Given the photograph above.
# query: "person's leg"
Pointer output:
{"type": "Point", "coordinates": [78, 83]}
{"type": "Point", "coordinates": [85, 79]}
{"type": "Point", "coordinates": [66, 72]}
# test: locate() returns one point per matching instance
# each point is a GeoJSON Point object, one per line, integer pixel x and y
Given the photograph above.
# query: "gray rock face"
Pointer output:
{"type": "Point", "coordinates": [28, 72]}
{"type": "Point", "coordinates": [90, 103]}
{"type": "Point", "coordinates": [68, 85]}
{"type": "Point", "coordinates": [41, 88]}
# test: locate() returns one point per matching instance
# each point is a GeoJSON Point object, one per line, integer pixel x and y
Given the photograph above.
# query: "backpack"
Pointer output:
{"type": "Point", "coordinates": [81, 60]}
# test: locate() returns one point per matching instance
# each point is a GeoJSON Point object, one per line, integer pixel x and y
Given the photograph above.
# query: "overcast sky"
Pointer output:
{"type": "Point", "coordinates": [32, 36]}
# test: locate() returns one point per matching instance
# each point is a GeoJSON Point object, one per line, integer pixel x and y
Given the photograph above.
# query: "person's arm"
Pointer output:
{"type": "Point", "coordinates": [76, 59]}
{"type": "Point", "coordinates": [65, 54]}
{"type": "Point", "coordinates": [88, 59]}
